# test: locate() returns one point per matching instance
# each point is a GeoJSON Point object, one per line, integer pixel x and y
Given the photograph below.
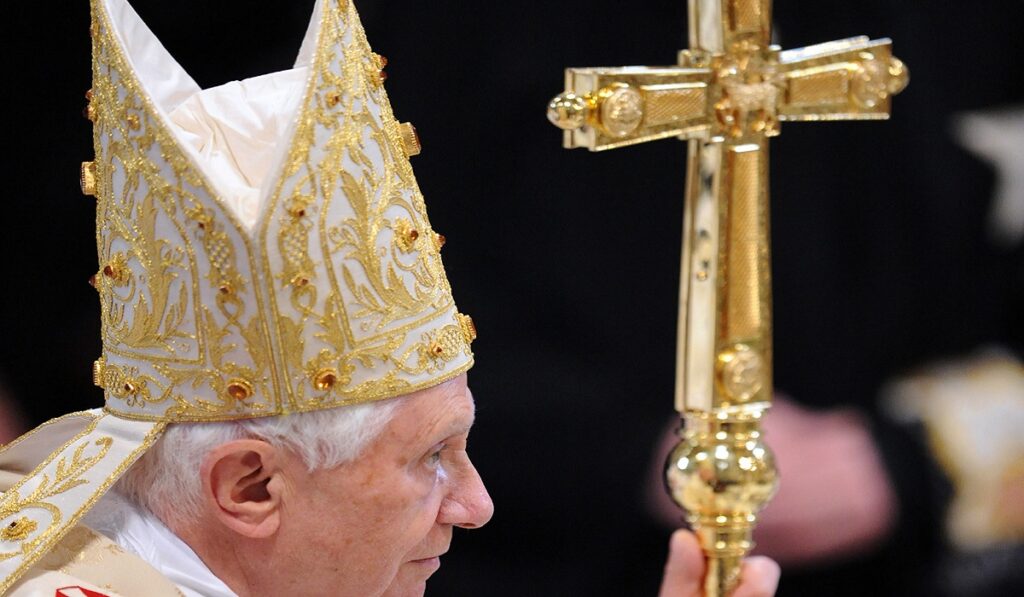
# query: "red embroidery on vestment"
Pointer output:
{"type": "Point", "coordinates": [77, 592]}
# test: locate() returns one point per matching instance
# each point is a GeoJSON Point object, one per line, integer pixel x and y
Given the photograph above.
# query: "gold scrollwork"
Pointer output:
{"type": "Point", "coordinates": [67, 475]}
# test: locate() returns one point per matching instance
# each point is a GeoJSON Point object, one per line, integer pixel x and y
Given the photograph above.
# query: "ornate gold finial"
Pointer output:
{"type": "Point", "coordinates": [18, 530]}
{"type": "Point", "coordinates": [899, 75]}
{"type": "Point", "coordinates": [87, 179]}
{"type": "Point", "coordinates": [410, 140]}
{"type": "Point", "coordinates": [567, 111]}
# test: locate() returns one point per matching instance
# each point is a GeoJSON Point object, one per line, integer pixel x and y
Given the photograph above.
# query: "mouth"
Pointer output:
{"type": "Point", "coordinates": [428, 563]}
{"type": "Point", "coordinates": [434, 561]}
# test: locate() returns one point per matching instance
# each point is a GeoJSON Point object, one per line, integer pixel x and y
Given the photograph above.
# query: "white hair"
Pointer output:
{"type": "Point", "coordinates": [165, 480]}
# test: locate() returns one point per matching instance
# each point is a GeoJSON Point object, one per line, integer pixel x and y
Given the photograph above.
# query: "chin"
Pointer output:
{"type": "Point", "coordinates": [406, 589]}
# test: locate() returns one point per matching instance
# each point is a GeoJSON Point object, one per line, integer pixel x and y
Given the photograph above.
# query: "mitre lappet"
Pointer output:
{"type": "Point", "coordinates": [263, 250]}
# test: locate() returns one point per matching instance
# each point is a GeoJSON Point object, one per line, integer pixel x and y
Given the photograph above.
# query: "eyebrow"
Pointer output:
{"type": "Point", "coordinates": [461, 425]}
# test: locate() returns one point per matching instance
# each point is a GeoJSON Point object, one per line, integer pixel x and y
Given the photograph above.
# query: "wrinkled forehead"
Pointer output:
{"type": "Point", "coordinates": [442, 411]}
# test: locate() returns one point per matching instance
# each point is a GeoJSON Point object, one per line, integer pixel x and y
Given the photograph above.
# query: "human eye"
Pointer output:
{"type": "Point", "coordinates": [434, 457]}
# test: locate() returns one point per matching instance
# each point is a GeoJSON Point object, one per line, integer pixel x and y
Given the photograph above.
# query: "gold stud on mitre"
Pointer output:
{"type": "Point", "coordinates": [410, 139]}
{"type": "Point", "coordinates": [87, 178]}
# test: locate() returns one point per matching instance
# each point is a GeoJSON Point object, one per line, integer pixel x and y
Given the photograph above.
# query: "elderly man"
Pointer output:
{"type": "Point", "coordinates": [235, 509]}
{"type": "Point", "coordinates": [283, 363]}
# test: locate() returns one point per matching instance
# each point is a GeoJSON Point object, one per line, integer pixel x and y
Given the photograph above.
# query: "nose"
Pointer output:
{"type": "Point", "coordinates": [467, 505]}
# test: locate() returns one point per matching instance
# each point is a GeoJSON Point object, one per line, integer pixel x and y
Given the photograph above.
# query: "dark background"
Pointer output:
{"type": "Point", "coordinates": [568, 261]}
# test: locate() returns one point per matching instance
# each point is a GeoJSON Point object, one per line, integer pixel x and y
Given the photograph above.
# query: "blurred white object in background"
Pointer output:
{"type": "Point", "coordinates": [997, 137]}
{"type": "Point", "coordinates": [973, 411]}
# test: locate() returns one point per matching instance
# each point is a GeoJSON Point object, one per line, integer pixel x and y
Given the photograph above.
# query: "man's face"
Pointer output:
{"type": "Point", "coordinates": [377, 525]}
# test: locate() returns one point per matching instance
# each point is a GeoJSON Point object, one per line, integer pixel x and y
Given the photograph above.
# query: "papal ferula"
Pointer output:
{"type": "Point", "coordinates": [283, 365]}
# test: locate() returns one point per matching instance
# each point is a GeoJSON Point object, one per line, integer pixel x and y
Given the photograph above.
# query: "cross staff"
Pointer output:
{"type": "Point", "coordinates": [727, 96]}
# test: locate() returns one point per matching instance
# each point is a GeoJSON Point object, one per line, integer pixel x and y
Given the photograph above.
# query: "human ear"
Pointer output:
{"type": "Point", "coordinates": [242, 481]}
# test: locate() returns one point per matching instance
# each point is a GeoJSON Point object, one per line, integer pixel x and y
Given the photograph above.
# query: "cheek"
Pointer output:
{"type": "Point", "coordinates": [418, 504]}
{"type": "Point", "coordinates": [399, 514]}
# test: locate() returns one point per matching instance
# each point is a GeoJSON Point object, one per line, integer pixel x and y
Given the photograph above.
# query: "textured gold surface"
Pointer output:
{"type": "Point", "coordinates": [821, 87]}
{"type": "Point", "coordinates": [748, 15]}
{"type": "Point", "coordinates": [851, 79]}
{"type": "Point", "coordinates": [467, 326]}
{"type": "Point", "coordinates": [669, 106]}
{"type": "Point", "coordinates": [87, 179]}
{"type": "Point", "coordinates": [97, 372]}
{"type": "Point", "coordinates": [741, 292]}
{"type": "Point", "coordinates": [410, 139]}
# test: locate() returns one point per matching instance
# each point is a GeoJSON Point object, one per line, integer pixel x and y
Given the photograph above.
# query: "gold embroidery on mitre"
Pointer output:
{"type": "Point", "coordinates": [332, 298]}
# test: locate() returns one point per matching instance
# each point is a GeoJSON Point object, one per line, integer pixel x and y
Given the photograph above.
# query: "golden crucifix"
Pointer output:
{"type": "Point", "coordinates": [726, 97]}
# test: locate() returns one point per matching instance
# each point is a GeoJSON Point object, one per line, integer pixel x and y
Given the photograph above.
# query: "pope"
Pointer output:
{"type": "Point", "coordinates": [284, 368]}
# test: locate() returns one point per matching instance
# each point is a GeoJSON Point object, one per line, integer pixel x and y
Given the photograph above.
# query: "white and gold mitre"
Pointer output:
{"type": "Point", "coordinates": [264, 250]}
{"type": "Point", "coordinates": [286, 268]}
